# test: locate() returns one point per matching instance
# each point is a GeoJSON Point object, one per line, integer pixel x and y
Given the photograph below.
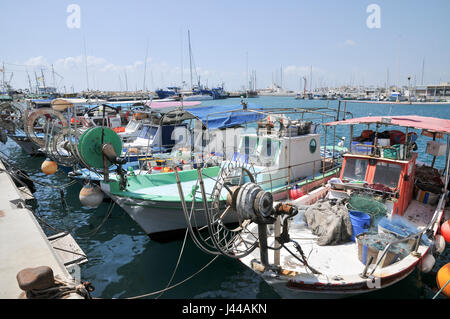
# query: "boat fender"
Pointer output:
{"type": "Point", "coordinates": [91, 196]}
{"type": "Point", "coordinates": [439, 244]}
{"type": "Point", "coordinates": [445, 231]}
{"type": "Point", "coordinates": [427, 263]}
{"type": "Point", "coordinates": [49, 167]}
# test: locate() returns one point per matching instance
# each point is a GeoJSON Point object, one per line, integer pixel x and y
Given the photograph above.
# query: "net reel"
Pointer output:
{"type": "Point", "coordinates": [44, 120]}
{"type": "Point", "coordinates": [98, 148]}
{"type": "Point", "coordinates": [62, 146]}
{"type": "Point", "coordinates": [234, 205]}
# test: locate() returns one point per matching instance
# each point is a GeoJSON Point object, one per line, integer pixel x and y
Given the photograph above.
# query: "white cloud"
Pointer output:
{"type": "Point", "coordinates": [36, 61]}
{"type": "Point", "coordinates": [350, 42]}
{"type": "Point", "coordinates": [301, 70]}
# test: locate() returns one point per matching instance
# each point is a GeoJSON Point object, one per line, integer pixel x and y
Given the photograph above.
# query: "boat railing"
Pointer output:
{"type": "Point", "coordinates": [417, 238]}
{"type": "Point", "coordinates": [323, 170]}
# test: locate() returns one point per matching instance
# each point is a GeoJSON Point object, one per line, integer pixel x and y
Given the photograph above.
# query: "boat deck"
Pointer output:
{"type": "Point", "coordinates": [334, 260]}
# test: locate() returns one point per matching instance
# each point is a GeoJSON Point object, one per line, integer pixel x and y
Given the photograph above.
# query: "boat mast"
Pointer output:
{"type": "Point", "coordinates": [423, 69]}
{"type": "Point", "coordinates": [85, 63]}
{"type": "Point", "coordinates": [145, 67]}
{"type": "Point", "coordinates": [43, 80]}
{"type": "Point", "coordinates": [190, 56]}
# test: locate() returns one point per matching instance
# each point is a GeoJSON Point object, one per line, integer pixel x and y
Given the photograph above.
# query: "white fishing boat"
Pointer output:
{"type": "Point", "coordinates": [365, 231]}
{"type": "Point", "coordinates": [152, 199]}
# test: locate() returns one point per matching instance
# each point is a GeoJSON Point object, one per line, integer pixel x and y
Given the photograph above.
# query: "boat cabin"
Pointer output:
{"type": "Point", "coordinates": [387, 161]}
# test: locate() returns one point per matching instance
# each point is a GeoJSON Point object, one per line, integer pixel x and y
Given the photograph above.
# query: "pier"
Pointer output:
{"type": "Point", "coordinates": [24, 244]}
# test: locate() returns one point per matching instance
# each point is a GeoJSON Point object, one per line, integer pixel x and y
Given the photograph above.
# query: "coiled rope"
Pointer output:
{"type": "Point", "coordinates": [61, 289]}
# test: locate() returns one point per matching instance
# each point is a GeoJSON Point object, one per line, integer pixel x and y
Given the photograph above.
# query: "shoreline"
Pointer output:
{"type": "Point", "coordinates": [400, 103]}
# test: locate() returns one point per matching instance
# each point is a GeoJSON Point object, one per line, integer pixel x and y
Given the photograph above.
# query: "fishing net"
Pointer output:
{"type": "Point", "coordinates": [369, 205]}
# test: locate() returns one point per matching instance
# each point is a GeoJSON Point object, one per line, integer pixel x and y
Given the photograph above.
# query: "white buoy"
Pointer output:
{"type": "Point", "coordinates": [91, 196]}
{"type": "Point", "coordinates": [427, 263]}
{"type": "Point", "coordinates": [439, 243]}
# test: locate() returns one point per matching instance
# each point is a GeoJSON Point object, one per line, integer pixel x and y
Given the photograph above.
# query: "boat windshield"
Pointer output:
{"type": "Point", "coordinates": [148, 132]}
{"type": "Point", "coordinates": [132, 126]}
{"type": "Point", "coordinates": [355, 169]}
{"type": "Point", "coordinates": [268, 151]}
{"type": "Point", "coordinates": [248, 145]}
{"type": "Point", "coordinates": [387, 174]}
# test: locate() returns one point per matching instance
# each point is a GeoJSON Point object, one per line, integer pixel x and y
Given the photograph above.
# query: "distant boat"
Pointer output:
{"type": "Point", "coordinates": [198, 97]}
{"type": "Point", "coordinates": [397, 97]}
{"type": "Point", "coordinates": [167, 93]}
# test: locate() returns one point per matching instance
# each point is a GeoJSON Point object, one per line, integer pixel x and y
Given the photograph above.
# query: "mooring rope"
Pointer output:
{"type": "Point", "coordinates": [62, 288]}
{"type": "Point", "coordinates": [177, 284]}
{"type": "Point", "coordinates": [178, 262]}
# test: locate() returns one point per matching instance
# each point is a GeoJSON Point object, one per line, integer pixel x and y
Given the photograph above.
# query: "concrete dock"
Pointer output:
{"type": "Point", "coordinates": [23, 244]}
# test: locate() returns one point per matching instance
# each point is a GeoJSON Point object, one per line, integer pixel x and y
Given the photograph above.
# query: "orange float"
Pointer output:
{"type": "Point", "coordinates": [445, 231]}
{"type": "Point", "coordinates": [443, 276]}
{"type": "Point", "coordinates": [49, 167]}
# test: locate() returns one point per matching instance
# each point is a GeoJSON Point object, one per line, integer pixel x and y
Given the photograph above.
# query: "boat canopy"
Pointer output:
{"type": "Point", "coordinates": [216, 117]}
{"type": "Point", "coordinates": [431, 124]}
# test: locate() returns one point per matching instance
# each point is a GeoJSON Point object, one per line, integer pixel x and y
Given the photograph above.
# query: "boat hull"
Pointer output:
{"type": "Point", "coordinates": [162, 219]}
{"type": "Point", "coordinates": [28, 146]}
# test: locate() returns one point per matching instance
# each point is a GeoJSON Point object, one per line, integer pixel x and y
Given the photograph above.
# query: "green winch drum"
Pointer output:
{"type": "Point", "coordinates": [90, 145]}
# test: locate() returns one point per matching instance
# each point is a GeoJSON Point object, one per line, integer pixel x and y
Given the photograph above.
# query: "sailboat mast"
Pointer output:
{"type": "Point", "coordinates": [423, 69]}
{"type": "Point", "coordinates": [190, 56]}
{"type": "Point", "coordinates": [145, 67]}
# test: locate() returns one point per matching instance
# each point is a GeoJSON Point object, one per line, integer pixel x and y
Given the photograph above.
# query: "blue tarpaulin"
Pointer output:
{"type": "Point", "coordinates": [224, 116]}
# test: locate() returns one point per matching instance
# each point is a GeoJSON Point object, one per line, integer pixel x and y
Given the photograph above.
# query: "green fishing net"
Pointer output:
{"type": "Point", "coordinates": [369, 205]}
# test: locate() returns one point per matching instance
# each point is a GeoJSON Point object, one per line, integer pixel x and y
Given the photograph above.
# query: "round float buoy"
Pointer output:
{"type": "Point", "coordinates": [427, 263]}
{"type": "Point", "coordinates": [439, 244]}
{"type": "Point", "coordinates": [91, 196]}
{"type": "Point", "coordinates": [442, 277]}
{"type": "Point", "coordinates": [49, 167]}
{"type": "Point", "coordinates": [445, 231]}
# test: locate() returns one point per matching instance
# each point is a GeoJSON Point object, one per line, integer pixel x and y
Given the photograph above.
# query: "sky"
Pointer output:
{"type": "Point", "coordinates": [144, 44]}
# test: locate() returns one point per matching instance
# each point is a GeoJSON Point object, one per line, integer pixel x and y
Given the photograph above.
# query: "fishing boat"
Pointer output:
{"type": "Point", "coordinates": [152, 199]}
{"type": "Point", "coordinates": [361, 232]}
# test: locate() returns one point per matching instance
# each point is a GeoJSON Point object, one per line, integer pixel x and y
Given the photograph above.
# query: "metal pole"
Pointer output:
{"type": "Point", "coordinates": [262, 235]}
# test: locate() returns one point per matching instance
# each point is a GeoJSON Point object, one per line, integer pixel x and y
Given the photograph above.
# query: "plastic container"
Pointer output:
{"type": "Point", "coordinates": [295, 192]}
{"type": "Point", "coordinates": [358, 148]}
{"type": "Point", "coordinates": [383, 142]}
{"type": "Point", "coordinates": [426, 197]}
{"type": "Point", "coordinates": [157, 169]}
{"type": "Point", "coordinates": [360, 222]}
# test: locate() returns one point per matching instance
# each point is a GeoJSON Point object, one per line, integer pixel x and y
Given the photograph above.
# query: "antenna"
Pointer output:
{"type": "Point", "coordinates": [85, 60]}
{"type": "Point", "coordinates": [145, 67]}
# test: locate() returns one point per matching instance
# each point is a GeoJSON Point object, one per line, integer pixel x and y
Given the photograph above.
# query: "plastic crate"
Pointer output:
{"type": "Point", "coordinates": [359, 148]}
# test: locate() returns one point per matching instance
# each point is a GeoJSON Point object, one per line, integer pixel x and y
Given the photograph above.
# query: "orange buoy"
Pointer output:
{"type": "Point", "coordinates": [442, 277]}
{"type": "Point", "coordinates": [49, 167]}
{"type": "Point", "coordinates": [445, 231]}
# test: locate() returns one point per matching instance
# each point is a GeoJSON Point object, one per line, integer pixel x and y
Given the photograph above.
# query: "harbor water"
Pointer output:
{"type": "Point", "coordinates": [124, 262]}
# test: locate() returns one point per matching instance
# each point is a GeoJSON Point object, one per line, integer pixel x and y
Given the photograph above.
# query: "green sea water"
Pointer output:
{"type": "Point", "coordinates": [124, 262]}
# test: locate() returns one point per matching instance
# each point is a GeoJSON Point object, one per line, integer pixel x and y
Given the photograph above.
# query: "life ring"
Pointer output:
{"type": "Point", "coordinates": [33, 116]}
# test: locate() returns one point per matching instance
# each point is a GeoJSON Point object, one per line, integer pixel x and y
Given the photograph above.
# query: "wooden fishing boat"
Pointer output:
{"type": "Point", "coordinates": [152, 200]}
{"type": "Point", "coordinates": [322, 245]}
